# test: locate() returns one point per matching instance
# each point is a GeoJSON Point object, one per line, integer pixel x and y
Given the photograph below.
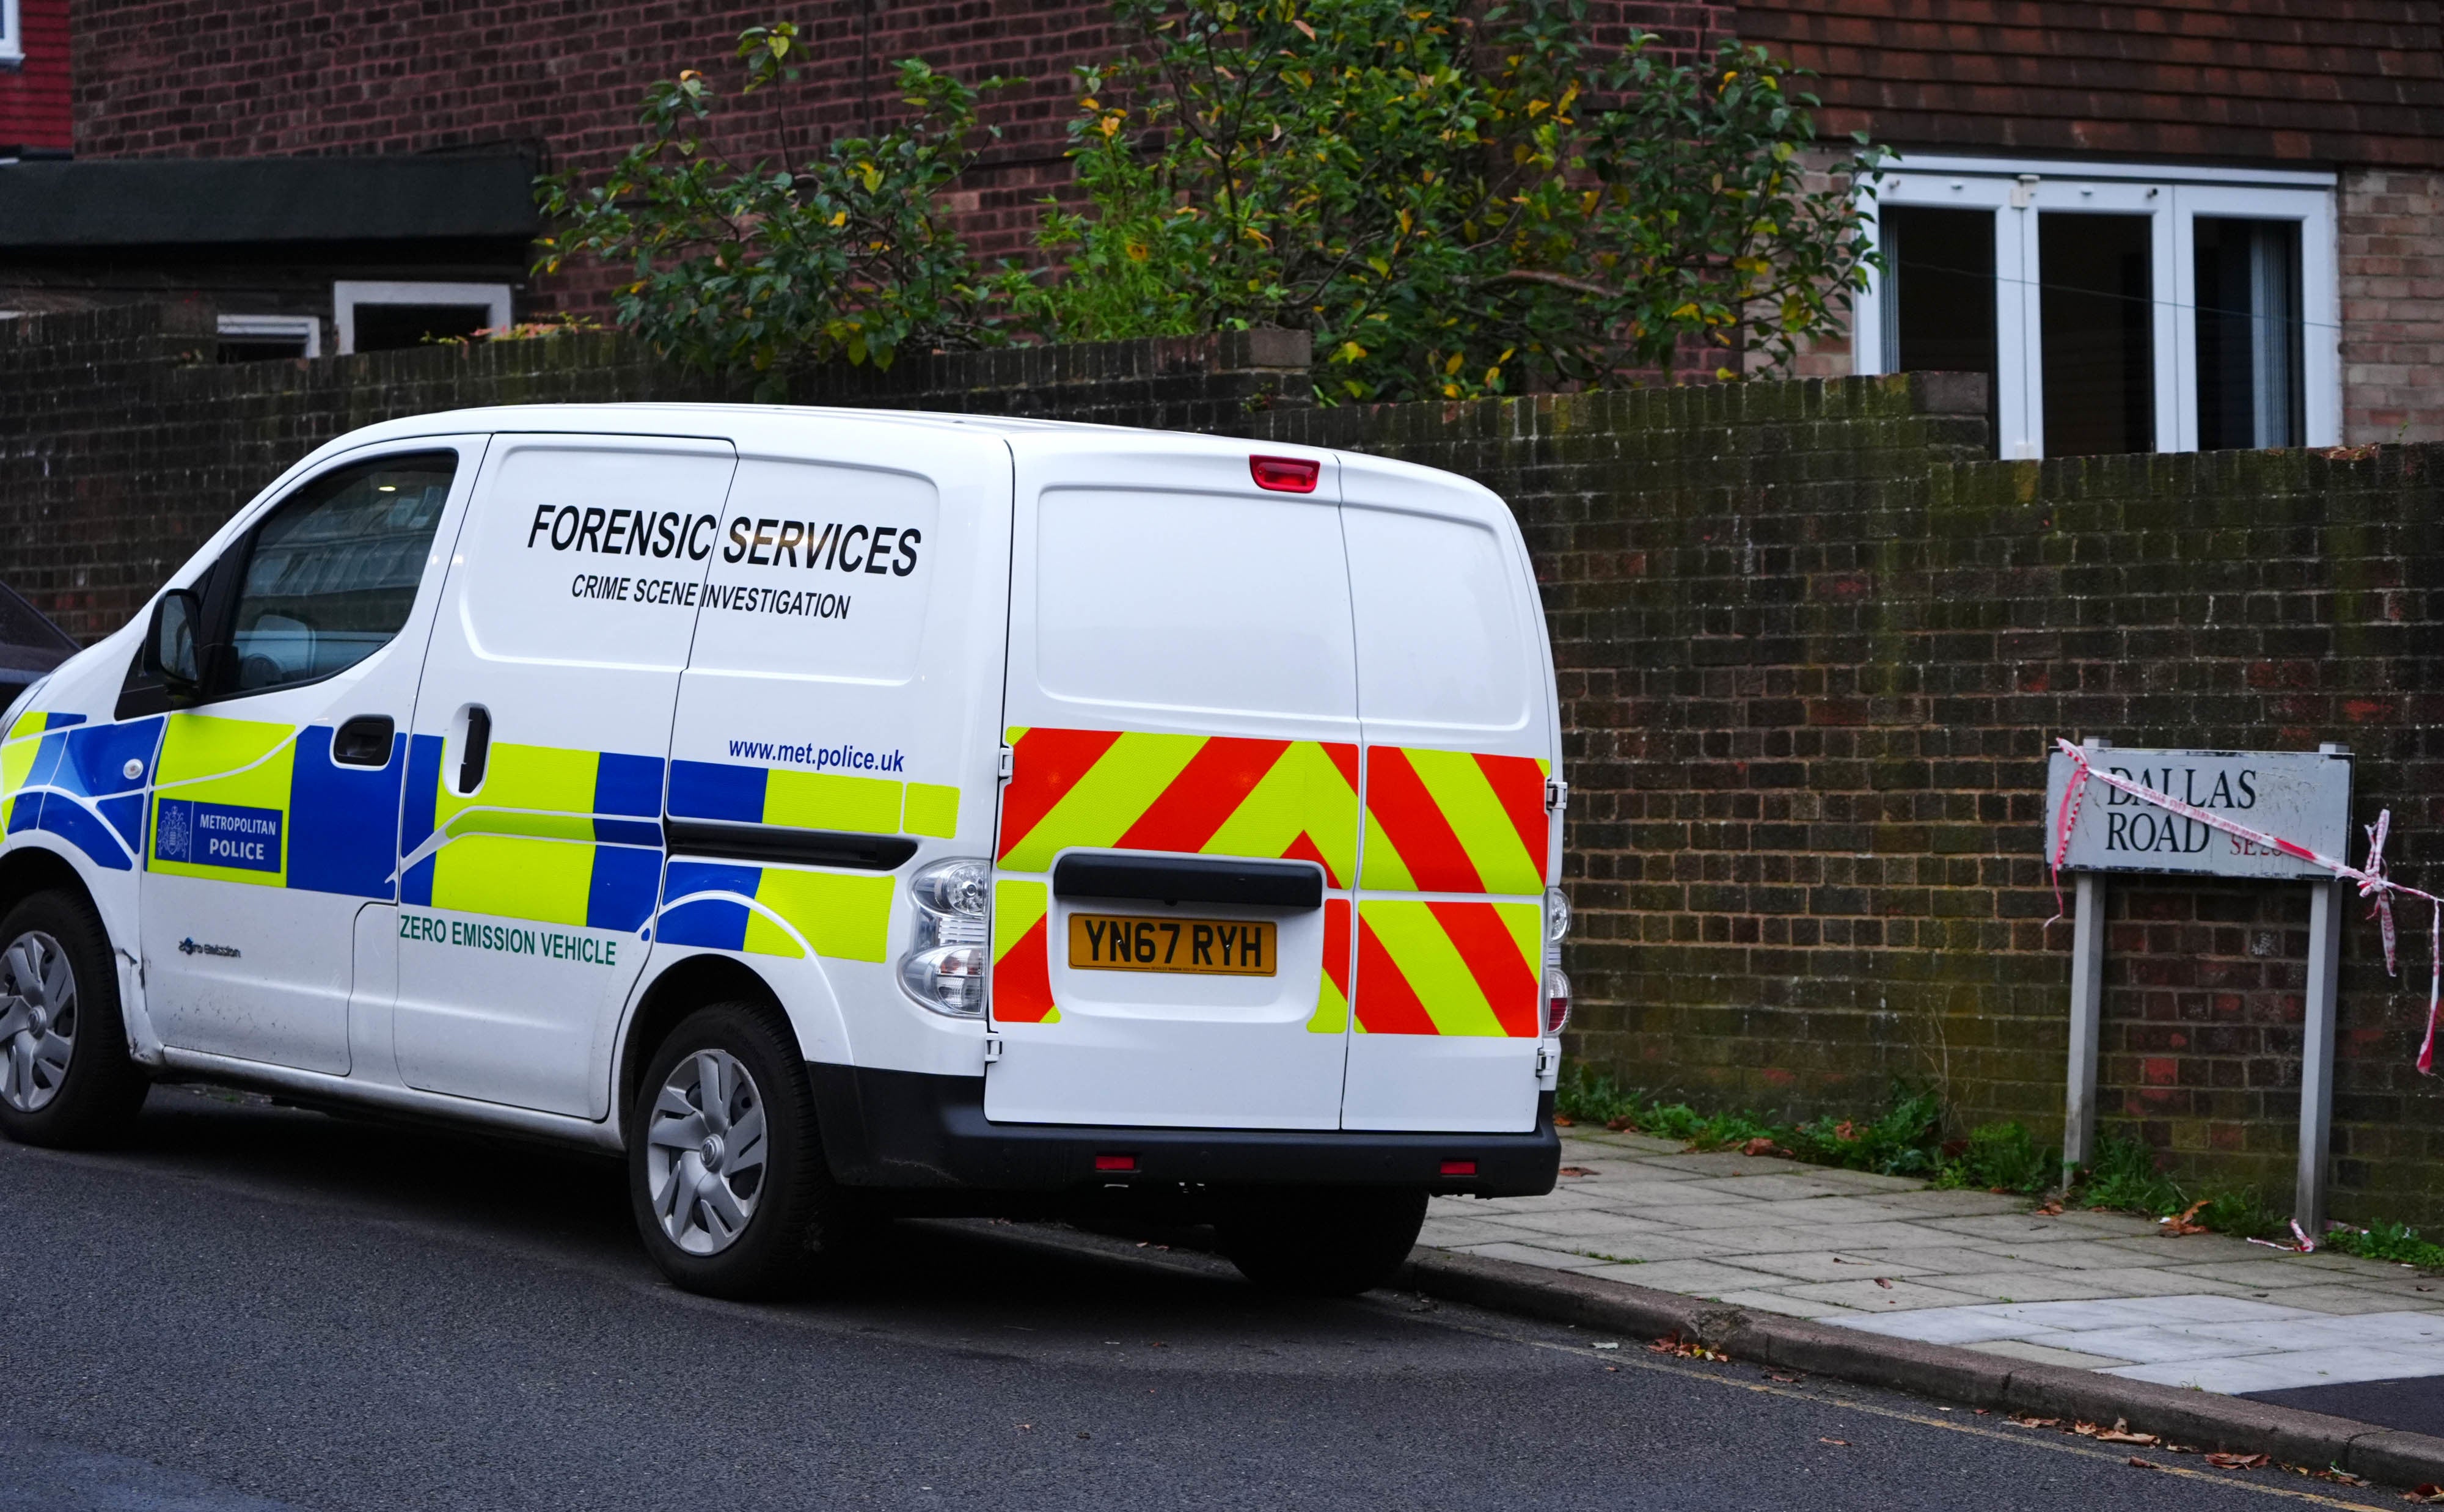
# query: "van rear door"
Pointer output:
{"type": "Point", "coordinates": [1455, 693]}
{"type": "Point", "coordinates": [1178, 833]}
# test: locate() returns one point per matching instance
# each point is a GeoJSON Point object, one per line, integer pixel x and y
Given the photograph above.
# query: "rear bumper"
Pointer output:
{"type": "Point", "coordinates": [907, 1131]}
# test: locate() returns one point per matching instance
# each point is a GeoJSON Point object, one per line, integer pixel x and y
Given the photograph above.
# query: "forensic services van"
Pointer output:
{"type": "Point", "coordinates": [840, 814]}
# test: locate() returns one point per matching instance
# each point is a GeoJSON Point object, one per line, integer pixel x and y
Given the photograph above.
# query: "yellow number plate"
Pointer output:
{"type": "Point", "coordinates": [1107, 942]}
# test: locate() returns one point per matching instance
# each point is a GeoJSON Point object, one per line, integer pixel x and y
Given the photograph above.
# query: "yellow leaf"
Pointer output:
{"type": "Point", "coordinates": [840, 218]}
{"type": "Point", "coordinates": [1350, 352]}
{"type": "Point", "coordinates": [1453, 366]}
{"type": "Point", "coordinates": [1725, 374]}
{"type": "Point", "coordinates": [1684, 311]}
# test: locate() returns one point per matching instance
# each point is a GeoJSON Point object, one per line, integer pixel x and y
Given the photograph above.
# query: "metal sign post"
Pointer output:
{"type": "Point", "coordinates": [2303, 797]}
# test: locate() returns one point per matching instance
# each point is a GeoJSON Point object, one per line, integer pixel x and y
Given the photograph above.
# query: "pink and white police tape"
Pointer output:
{"type": "Point", "coordinates": [2372, 882]}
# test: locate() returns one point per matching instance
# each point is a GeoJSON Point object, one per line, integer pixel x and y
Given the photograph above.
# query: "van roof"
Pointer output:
{"type": "Point", "coordinates": [643, 417]}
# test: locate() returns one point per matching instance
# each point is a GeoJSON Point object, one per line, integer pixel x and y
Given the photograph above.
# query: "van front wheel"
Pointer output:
{"type": "Point", "coordinates": [1322, 1242]}
{"type": "Point", "coordinates": [65, 1078]}
{"type": "Point", "coordinates": [725, 1168]}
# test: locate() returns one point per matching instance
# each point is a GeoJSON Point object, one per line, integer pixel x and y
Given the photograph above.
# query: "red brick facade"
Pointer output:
{"type": "Point", "coordinates": [2330, 83]}
{"type": "Point", "coordinates": [34, 95]}
{"type": "Point", "coordinates": [210, 78]}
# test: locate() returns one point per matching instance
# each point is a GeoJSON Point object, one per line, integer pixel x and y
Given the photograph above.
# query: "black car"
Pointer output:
{"type": "Point", "coordinates": [30, 645]}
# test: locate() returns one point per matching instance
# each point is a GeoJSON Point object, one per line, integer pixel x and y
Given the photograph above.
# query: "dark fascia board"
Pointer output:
{"type": "Point", "coordinates": [205, 201]}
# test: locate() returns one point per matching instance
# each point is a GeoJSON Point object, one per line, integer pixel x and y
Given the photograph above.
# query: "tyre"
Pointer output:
{"type": "Point", "coordinates": [65, 1078]}
{"type": "Point", "coordinates": [725, 1167]}
{"type": "Point", "coordinates": [1330, 1242]}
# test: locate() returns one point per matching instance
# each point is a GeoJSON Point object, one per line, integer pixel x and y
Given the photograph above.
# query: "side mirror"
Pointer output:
{"type": "Point", "coordinates": [169, 650]}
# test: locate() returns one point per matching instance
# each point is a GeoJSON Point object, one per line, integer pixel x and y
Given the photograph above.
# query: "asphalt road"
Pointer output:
{"type": "Point", "coordinates": [256, 1307]}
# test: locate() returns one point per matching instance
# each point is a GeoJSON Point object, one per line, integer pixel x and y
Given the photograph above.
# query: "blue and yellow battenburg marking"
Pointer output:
{"type": "Point", "coordinates": [554, 836]}
{"type": "Point", "coordinates": [832, 801]}
{"type": "Point", "coordinates": [769, 909]}
{"type": "Point", "coordinates": [64, 776]}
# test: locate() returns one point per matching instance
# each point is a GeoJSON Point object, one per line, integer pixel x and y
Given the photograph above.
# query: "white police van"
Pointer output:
{"type": "Point", "coordinates": [840, 813]}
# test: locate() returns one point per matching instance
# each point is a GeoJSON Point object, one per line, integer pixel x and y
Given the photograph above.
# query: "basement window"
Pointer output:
{"type": "Point", "coordinates": [2116, 308]}
{"type": "Point", "coordinates": [383, 316]}
{"type": "Point", "coordinates": [268, 337]}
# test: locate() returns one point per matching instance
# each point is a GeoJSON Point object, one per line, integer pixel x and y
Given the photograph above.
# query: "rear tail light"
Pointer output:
{"type": "Point", "coordinates": [1557, 982]}
{"type": "Point", "coordinates": [1116, 1162]}
{"type": "Point", "coordinates": [1557, 999]}
{"type": "Point", "coordinates": [1286, 474]}
{"type": "Point", "coordinates": [1459, 1167]}
{"type": "Point", "coordinates": [944, 966]}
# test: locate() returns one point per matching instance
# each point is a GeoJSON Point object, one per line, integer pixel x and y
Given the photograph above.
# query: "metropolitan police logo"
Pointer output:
{"type": "Point", "coordinates": [174, 834]}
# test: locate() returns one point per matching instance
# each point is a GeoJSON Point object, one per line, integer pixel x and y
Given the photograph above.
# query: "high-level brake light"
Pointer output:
{"type": "Point", "coordinates": [1285, 475]}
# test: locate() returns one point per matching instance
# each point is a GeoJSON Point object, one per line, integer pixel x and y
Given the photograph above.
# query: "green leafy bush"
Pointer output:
{"type": "Point", "coordinates": [761, 269]}
{"type": "Point", "coordinates": [1433, 191]}
{"type": "Point", "coordinates": [2003, 1156]}
{"type": "Point", "coordinates": [2399, 1242]}
{"type": "Point", "coordinates": [1437, 197]}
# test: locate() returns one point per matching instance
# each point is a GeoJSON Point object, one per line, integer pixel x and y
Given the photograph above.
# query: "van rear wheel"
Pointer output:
{"type": "Point", "coordinates": [1322, 1242]}
{"type": "Point", "coordinates": [726, 1170]}
{"type": "Point", "coordinates": [65, 1078]}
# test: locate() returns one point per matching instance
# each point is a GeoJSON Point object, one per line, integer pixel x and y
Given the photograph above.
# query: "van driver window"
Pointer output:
{"type": "Point", "coordinates": [334, 570]}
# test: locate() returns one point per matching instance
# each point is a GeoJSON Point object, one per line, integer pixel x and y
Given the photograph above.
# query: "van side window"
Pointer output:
{"type": "Point", "coordinates": [332, 573]}
{"type": "Point", "coordinates": [1438, 635]}
{"type": "Point", "coordinates": [1193, 601]}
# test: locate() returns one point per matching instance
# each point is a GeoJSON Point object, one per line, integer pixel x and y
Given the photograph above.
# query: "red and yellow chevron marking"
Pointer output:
{"type": "Point", "coordinates": [1213, 795]}
{"type": "Point", "coordinates": [1449, 821]}
{"type": "Point", "coordinates": [1450, 967]}
{"type": "Point", "coordinates": [1332, 993]}
{"type": "Point", "coordinates": [1022, 969]}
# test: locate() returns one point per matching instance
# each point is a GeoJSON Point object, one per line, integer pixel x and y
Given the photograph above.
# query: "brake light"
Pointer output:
{"type": "Point", "coordinates": [1285, 475]}
{"type": "Point", "coordinates": [1556, 998]}
{"type": "Point", "coordinates": [944, 966]}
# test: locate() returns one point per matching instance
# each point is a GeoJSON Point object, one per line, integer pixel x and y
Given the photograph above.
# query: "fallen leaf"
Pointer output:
{"type": "Point", "coordinates": [1673, 1343]}
{"type": "Point", "coordinates": [2035, 1422]}
{"type": "Point", "coordinates": [2340, 1476]}
{"type": "Point", "coordinates": [2085, 1429]}
{"type": "Point", "coordinates": [2180, 1224]}
{"type": "Point", "coordinates": [1839, 1444]}
{"type": "Point", "coordinates": [1787, 1380]}
{"type": "Point", "coordinates": [1885, 1284]}
{"type": "Point", "coordinates": [2237, 1462]}
{"type": "Point", "coordinates": [2050, 1208]}
{"type": "Point", "coordinates": [2424, 1491]}
{"type": "Point", "coordinates": [2114, 1435]}
{"type": "Point", "coordinates": [1563, 1121]}
{"type": "Point", "coordinates": [2138, 1463]}
{"type": "Point", "coordinates": [1623, 1124]}
{"type": "Point", "coordinates": [1761, 1146]}
{"type": "Point", "coordinates": [1577, 1170]}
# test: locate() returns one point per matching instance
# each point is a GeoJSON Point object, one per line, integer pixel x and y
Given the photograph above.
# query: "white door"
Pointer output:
{"type": "Point", "coordinates": [1460, 735]}
{"type": "Point", "coordinates": [531, 844]}
{"type": "Point", "coordinates": [275, 798]}
{"type": "Point", "coordinates": [1178, 833]}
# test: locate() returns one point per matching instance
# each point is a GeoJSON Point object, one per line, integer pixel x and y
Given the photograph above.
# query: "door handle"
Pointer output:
{"type": "Point", "coordinates": [478, 751]}
{"type": "Point", "coordinates": [364, 741]}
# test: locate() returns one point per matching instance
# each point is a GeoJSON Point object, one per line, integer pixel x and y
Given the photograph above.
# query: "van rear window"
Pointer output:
{"type": "Point", "coordinates": [1193, 601]}
{"type": "Point", "coordinates": [1439, 638]}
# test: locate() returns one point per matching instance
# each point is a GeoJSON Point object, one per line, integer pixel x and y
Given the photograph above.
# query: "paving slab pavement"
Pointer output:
{"type": "Point", "coordinates": [2099, 1291]}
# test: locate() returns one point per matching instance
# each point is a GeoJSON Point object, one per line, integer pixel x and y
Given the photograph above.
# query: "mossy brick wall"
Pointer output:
{"type": "Point", "coordinates": [1812, 649]}
{"type": "Point", "coordinates": [126, 446]}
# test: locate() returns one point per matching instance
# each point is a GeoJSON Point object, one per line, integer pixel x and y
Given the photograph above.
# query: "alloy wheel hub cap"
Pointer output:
{"type": "Point", "coordinates": [710, 1152]}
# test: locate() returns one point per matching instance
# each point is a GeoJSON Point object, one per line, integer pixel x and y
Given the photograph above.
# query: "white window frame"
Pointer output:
{"type": "Point", "coordinates": [346, 294]}
{"type": "Point", "coordinates": [290, 327]}
{"type": "Point", "coordinates": [2015, 189]}
{"type": "Point", "coordinates": [12, 43]}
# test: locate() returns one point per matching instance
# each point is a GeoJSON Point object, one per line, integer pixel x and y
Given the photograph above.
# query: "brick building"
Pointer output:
{"type": "Point", "coordinates": [2180, 225]}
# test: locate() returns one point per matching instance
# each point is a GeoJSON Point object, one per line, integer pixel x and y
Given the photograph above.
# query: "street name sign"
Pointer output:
{"type": "Point", "coordinates": [2304, 797]}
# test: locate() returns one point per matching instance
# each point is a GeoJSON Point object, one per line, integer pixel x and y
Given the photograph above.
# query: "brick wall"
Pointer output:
{"type": "Point", "coordinates": [1811, 655]}
{"type": "Point", "coordinates": [35, 93]}
{"type": "Point", "coordinates": [1811, 651]}
{"type": "Point", "coordinates": [2392, 268]}
{"type": "Point", "coordinates": [129, 446]}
